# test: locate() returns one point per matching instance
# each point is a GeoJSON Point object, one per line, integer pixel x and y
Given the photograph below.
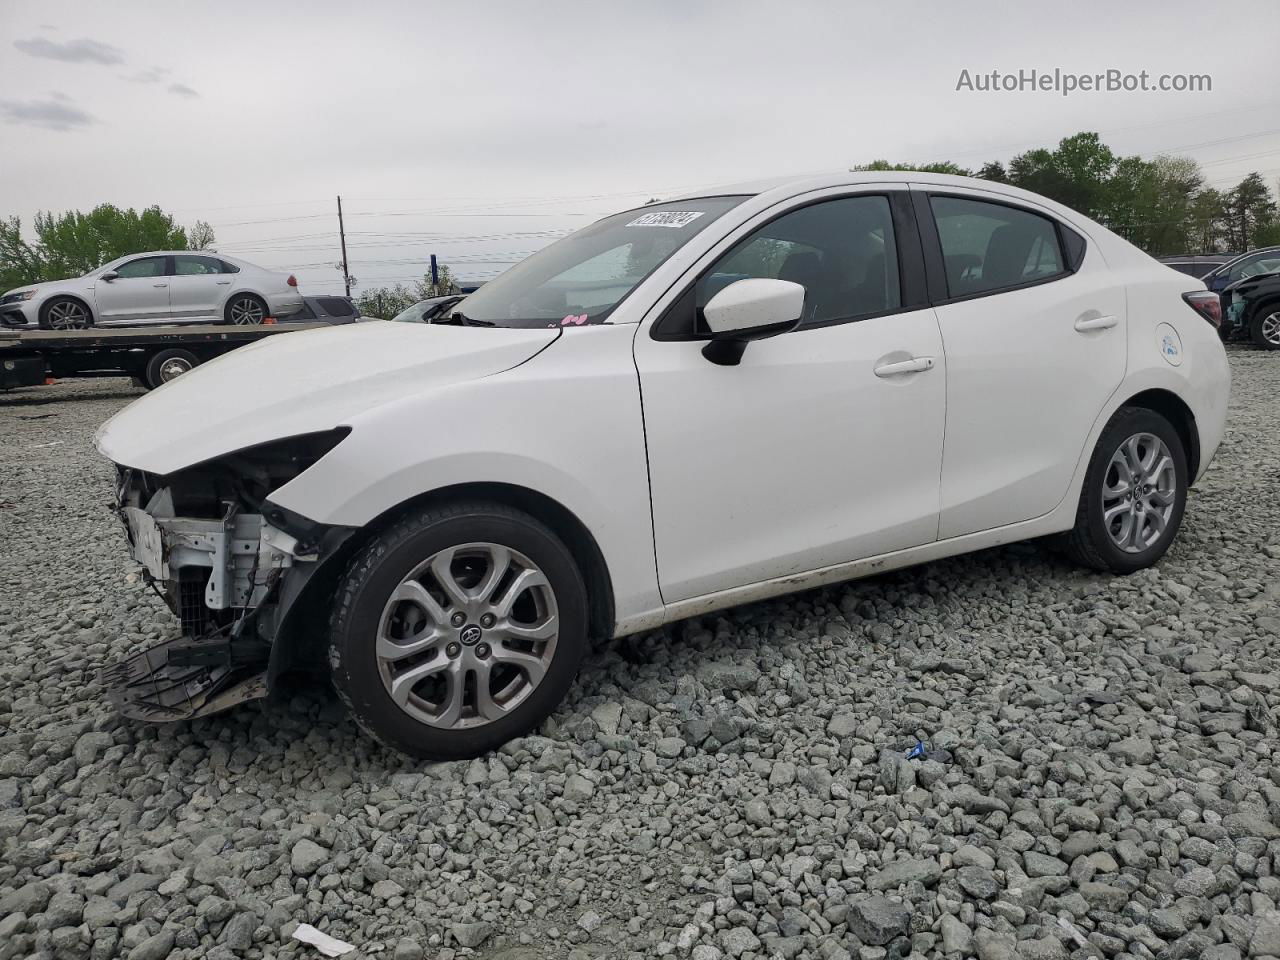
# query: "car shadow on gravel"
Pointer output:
{"type": "Point", "coordinates": [24, 398]}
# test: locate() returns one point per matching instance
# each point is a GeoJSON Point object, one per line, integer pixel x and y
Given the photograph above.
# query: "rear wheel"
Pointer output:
{"type": "Point", "coordinates": [1265, 328]}
{"type": "Point", "coordinates": [457, 629]}
{"type": "Point", "coordinates": [1134, 494]}
{"type": "Point", "coordinates": [246, 308]}
{"type": "Point", "coordinates": [65, 313]}
{"type": "Point", "coordinates": [168, 364]}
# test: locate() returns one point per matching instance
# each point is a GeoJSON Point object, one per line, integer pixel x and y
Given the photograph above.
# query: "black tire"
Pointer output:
{"type": "Point", "coordinates": [166, 365]}
{"type": "Point", "coordinates": [49, 321]}
{"type": "Point", "coordinates": [380, 567]}
{"type": "Point", "coordinates": [1089, 543]}
{"type": "Point", "coordinates": [230, 312]}
{"type": "Point", "coordinates": [1264, 328]}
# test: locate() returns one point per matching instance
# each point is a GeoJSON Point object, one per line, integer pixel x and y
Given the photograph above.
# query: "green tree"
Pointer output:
{"type": "Point", "coordinates": [73, 243]}
{"type": "Point", "coordinates": [941, 166]}
{"type": "Point", "coordinates": [1207, 217]}
{"type": "Point", "coordinates": [1075, 174]}
{"type": "Point", "coordinates": [386, 302]}
{"type": "Point", "coordinates": [19, 261]}
{"type": "Point", "coordinates": [994, 170]}
{"type": "Point", "coordinates": [1250, 207]}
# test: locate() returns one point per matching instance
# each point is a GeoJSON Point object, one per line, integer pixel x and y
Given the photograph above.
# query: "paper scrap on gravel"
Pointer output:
{"type": "Point", "coordinates": [329, 946]}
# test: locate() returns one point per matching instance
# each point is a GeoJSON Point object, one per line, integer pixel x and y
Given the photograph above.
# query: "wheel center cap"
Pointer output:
{"type": "Point", "coordinates": [470, 635]}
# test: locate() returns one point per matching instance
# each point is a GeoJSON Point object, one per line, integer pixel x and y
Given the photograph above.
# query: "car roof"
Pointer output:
{"type": "Point", "coordinates": [1254, 252]}
{"type": "Point", "coordinates": [798, 183]}
{"type": "Point", "coordinates": [787, 187]}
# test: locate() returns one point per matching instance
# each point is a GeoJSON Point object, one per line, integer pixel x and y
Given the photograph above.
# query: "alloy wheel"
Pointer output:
{"type": "Point", "coordinates": [467, 636]}
{"type": "Point", "coordinates": [1271, 329]}
{"type": "Point", "coordinates": [1139, 492]}
{"type": "Point", "coordinates": [68, 315]}
{"type": "Point", "coordinates": [247, 310]}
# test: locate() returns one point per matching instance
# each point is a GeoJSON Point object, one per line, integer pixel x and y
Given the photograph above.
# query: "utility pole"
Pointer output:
{"type": "Point", "coordinates": [342, 236]}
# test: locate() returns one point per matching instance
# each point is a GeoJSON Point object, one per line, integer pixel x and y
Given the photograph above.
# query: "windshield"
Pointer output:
{"type": "Point", "coordinates": [581, 278]}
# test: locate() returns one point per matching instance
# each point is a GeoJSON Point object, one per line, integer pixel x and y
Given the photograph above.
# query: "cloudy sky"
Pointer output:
{"type": "Point", "coordinates": [478, 130]}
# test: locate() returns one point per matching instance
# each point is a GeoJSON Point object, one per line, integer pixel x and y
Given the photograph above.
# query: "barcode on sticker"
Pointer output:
{"type": "Point", "coordinates": [666, 218]}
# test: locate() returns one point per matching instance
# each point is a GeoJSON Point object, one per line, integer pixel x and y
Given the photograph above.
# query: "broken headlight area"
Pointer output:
{"type": "Point", "coordinates": [220, 555]}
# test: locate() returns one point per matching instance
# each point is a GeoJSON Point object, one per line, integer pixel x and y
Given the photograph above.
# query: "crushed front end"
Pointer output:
{"type": "Point", "coordinates": [230, 565]}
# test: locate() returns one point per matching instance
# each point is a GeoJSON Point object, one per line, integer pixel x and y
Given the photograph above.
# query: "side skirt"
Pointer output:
{"type": "Point", "coordinates": [1055, 522]}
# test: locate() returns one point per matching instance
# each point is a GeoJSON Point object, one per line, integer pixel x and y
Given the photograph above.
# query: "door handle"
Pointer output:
{"type": "Point", "coordinates": [914, 365]}
{"type": "Point", "coordinates": [1096, 323]}
{"type": "Point", "coordinates": [222, 283]}
{"type": "Point", "coordinates": [157, 285]}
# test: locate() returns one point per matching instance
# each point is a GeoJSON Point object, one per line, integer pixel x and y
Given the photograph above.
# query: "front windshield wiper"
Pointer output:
{"type": "Point", "coordinates": [462, 320]}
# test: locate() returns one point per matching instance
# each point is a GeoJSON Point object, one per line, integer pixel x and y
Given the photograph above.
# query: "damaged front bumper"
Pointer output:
{"type": "Point", "coordinates": [230, 580]}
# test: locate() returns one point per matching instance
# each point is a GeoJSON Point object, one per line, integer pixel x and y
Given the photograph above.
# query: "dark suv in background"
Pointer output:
{"type": "Point", "coordinates": [327, 309]}
{"type": "Point", "coordinates": [1197, 265]}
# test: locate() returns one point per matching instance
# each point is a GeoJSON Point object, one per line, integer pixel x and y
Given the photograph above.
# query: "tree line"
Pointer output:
{"type": "Point", "coordinates": [1163, 205]}
{"type": "Point", "coordinates": [73, 243]}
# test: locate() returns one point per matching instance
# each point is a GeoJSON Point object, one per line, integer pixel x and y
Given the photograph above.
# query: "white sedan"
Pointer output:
{"type": "Point", "coordinates": [698, 403]}
{"type": "Point", "coordinates": [166, 286]}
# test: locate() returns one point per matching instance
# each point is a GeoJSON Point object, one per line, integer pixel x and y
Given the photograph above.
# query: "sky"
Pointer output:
{"type": "Point", "coordinates": [481, 130]}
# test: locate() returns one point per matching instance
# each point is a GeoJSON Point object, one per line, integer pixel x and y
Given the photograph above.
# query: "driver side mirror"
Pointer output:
{"type": "Point", "coordinates": [747, 310]}
{"type": "Point", "coordinates": [109, 276]}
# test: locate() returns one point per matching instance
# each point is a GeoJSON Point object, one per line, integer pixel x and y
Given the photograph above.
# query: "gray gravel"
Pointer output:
{"type": "Point", "coordinates": [1104, 781]}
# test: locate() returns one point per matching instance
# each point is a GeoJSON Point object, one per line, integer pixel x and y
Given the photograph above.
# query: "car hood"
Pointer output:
{"type": "Point", "coordinates": [1247, 284]}
{"type": "Point", "coordinates": [303, 382]}
{"type": "Point", "coordinates": [42, 286]}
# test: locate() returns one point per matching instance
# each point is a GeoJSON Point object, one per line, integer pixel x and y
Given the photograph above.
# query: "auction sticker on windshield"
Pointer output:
{"type": "Point", "coordinates": [666, 218]}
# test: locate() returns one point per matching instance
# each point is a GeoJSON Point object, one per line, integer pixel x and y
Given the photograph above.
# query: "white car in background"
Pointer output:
{"type": "Point", "coordinates": [697, 403]}
{"type": "Point", "coordinates": [168, 286]}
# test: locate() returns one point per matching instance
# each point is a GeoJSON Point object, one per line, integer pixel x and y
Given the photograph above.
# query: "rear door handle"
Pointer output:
{"type": "Point", "coordinates": [914, 365]}
{"type": "Point", "coordinates": [159, 285]}
{"type": "Point", "coordinates": [222, 283]}
{"type": "Point", "coordinates": [1096, 323]}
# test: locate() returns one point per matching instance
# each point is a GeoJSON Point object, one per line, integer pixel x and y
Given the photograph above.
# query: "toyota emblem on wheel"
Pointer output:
{"type": "Point", "coordinates": [470, 635]}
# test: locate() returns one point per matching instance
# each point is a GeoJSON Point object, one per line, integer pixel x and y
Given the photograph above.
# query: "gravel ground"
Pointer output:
{"type": "Point", "coordinates": [1104, 777]}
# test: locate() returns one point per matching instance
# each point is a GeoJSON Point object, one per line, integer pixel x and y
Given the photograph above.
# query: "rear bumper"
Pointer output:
{"type": "Point", "coordinates": [283, 304]}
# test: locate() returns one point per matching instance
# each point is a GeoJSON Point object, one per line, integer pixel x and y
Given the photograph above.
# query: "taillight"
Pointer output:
{"type": "Point", "coordinates": [1206, 303]}
{"type": "Point", "coordinates": [292, 281]}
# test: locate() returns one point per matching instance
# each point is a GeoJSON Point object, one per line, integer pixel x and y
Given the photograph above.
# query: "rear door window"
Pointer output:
{"type": "Point", "coordinates": [987, 247]}
{"type": "Point", "coordinates": [185, 265]}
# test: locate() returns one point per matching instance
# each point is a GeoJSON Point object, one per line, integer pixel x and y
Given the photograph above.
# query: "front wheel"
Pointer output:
{"type": "Point", "coordinates": [1134, 494]}
{"type": "Point", "coordinates": [66, 313]}
{"type": "Point", "coordinates": [1264, 330]}
{"type": "Point", "coordinates": [457, 629]}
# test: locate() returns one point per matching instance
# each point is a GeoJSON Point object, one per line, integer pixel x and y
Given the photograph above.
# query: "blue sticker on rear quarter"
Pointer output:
{"type": "Point", "coordinates": [666, 218]}
{"type": "Point", "coordinates": [1169, 344]}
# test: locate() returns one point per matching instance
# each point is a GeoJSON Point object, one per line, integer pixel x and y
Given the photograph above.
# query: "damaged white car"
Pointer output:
{"type": "Point", "coordinates": [682, 407]}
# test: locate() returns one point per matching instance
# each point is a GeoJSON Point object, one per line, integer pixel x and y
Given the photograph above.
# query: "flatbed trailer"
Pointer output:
{"type": "Point", "coordinates": [152, 355]}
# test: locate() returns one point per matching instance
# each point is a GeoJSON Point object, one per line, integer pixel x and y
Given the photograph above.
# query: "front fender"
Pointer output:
{"type": "Point", "coordinates": [567, 424]}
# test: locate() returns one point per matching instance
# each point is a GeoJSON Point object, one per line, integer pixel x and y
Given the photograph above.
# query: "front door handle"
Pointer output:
{"type": "Point", "coordinates": [914, 365]}
{"type": "Point", "coordinates": [1096, 323]}
{"type": "Point", "coordinates": [159, 285]}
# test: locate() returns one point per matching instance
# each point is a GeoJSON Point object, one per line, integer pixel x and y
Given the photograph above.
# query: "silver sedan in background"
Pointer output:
{"type": "Point", "coordinates": [176, 286]}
